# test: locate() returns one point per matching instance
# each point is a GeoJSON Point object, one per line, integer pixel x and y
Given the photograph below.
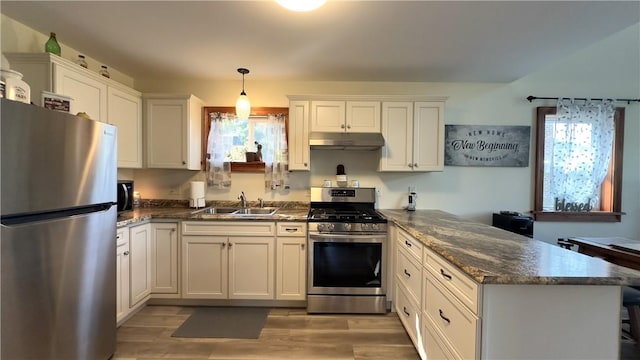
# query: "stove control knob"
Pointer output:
{"type": "Point", "coordinates": [330, 227]}
{"type": "Point", "coordinates": [322, 227]}
{"type": "Point", "coordinates": [346, 226]}
{"type": "Point", "coordinates": [373, 226]}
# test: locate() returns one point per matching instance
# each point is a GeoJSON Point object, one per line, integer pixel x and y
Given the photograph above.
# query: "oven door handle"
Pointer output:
{"type": "Point", "coordinates": [360, 237]}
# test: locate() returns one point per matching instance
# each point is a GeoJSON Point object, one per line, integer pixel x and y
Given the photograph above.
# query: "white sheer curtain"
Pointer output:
{"type": "Point", "coordinates": [275, 154]}
{"type": "Point", "coordinates": [218, 163]}
{"type": "Point", "coordinates": [580, 151]}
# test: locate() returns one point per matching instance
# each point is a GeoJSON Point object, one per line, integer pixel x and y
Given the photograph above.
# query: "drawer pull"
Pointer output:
{"type": "Point", "coordinates": [404, 309]}
{"type": "Point", "coordinates": [444, 317]}
{"type": "Point", "coordinates": [407, 273]}
{"type": "Point", "coordinates": [407, 243]}
{"type": "Point", "coordinates": [126, 253]}
{"type": "Point", "coordinates": [291, 229]}
{"type": "Point", "coordinates": [445, 275]}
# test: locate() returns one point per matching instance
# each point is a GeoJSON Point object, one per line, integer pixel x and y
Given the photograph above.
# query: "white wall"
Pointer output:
{"type": "Point", "coordinates": [610, 68]}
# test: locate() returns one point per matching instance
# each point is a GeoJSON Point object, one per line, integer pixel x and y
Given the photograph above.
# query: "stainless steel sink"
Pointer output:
{"type": "Point", "coordinates": [236, 211]}
{"type": "Point", "coordinates": [256, 211]}
{"type": "Point", "coordinates": [215, 210]}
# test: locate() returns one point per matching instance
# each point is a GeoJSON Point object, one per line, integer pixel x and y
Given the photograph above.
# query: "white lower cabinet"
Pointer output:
{"type": "Point", "coordinates": [204, 267]}
{"type": "Point", "coordinates": [228, 260]}
{"type": "Point", "coordinates": [140, 263]}
{"type": "Point", "coordinates": [164, 259]}
{"type": "Point", "coordinates": [440, 325]}
{"type": "Point", "coordinates": [122, 273]}
{"type": "Point", "coordinates": [450, 320]}
{"type": "Point", "coordinates": [291, 261]}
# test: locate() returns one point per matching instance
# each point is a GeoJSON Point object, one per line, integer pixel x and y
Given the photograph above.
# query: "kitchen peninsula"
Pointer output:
{"type": "Point", "coordinates": [486, 293]}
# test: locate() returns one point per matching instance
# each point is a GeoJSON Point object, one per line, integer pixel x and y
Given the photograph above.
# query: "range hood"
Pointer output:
{"type": "Point", "coordinates": [345, 141]}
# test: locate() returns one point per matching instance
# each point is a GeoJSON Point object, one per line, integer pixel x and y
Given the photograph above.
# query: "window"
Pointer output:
{"type": "Point", "coordinates": [243, 134]}
{"type": "Point", "coordinates": [603, 204]}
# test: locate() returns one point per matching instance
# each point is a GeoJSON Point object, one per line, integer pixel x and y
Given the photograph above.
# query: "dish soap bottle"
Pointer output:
{"type": "Point", "coordinates": [52, 46]}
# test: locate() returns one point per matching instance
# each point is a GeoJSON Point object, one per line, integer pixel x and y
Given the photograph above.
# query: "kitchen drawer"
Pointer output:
{"type": "Point", "coordinates": [434, 345]}
{"type": "Point", "coordinates": [407, 242]}
{"type": "Point", "coordinates": [463, 287]}
{"type": "Point", "coordinates": [408, 312]}
{"type": "Point", "coordinates": [409, 273]}
{"type": "Point", "coordinates": [122, 235]}
{"type": "Point", "coordinates": [455, 323]}
{"type": "Point", "coordinates": [229, 228]}
{"type": "Point", "coordinates": [291, 229]}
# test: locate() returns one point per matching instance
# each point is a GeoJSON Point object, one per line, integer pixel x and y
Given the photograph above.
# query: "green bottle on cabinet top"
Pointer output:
{"type": "Point", "coordinates": [52, 46]}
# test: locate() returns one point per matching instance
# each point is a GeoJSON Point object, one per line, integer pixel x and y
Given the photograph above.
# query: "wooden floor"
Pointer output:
{"type": "Point", "coordinates": [287, 334]}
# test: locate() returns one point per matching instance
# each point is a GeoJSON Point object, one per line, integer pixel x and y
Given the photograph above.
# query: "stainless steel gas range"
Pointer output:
{"type": "Point", "coordinates": [347, 244]}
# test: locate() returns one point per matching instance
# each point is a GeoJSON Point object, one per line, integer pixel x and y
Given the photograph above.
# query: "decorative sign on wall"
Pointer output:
{"type": "Point", "coordinates": [478, 145]}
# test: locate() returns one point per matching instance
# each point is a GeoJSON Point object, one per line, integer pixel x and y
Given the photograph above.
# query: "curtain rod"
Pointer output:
{"type": "Point", "coordinates": [531, 98]}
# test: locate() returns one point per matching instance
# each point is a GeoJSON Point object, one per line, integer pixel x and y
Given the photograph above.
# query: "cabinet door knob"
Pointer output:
{"type": "Point", "coordinates": [184, 162]}
{"type": "Point", "coordinates": [305, 164]}
{"type": "Point", "coordinates": [348, 126]}
{"type": "Point", "coordinates": [230, 245]}
{"type": "Point", "coordinates": [302, 246]}
{"type": "Point", "coordinates": [342, 126]}
{"type": "Point", "coordinates": [125, 253]}
{"type": "Point", "coordinates": [224, 244]}
{"type": "Point", "coordinates": [410, 165]}
{"type": "Point", "coordinates": [415, 164]}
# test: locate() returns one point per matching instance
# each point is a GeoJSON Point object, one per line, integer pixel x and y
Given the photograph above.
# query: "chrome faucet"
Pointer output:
{"type": "Point", "coordinates": [243, 200]}
{"type": "Point", "coordinates": [261, 201]}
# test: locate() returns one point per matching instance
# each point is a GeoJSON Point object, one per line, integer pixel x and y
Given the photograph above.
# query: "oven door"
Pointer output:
{"type": "Point", "coordinates": [346, 264]}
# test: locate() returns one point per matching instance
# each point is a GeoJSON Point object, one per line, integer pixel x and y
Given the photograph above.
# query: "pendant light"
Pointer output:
{"type": "Point", "coordinates": [243, 106]}
{"type": "Point", "coordinates": [301, 5]}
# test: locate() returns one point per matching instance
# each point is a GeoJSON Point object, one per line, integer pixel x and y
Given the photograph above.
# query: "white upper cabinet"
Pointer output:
{"type": "Point", "coordinates": [101, 98]}
{"type": "Point", "coordinates": [125, 112]}
{"type": "Point", "coordinates": [345, 116]}
{"type": "Point", "coordinates": [173, 131]}
{"type": "Point", "coordinates": [299, 136]}
{"type": "Point", "coordinates": [88, 93]}
{"type": "Point", "coordinates": [414, 136]}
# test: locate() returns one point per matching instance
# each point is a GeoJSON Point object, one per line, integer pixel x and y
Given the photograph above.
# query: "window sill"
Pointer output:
{"type": "Point", "coordinates": [247, 167]}
{"type": "Point", "coordinates": [594, 216]}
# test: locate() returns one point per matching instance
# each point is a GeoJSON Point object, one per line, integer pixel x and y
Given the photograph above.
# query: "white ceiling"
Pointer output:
{"type": "Point", "coordinates": [447, 41]}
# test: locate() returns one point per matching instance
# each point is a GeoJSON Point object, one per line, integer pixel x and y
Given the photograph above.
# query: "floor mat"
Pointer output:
{"type": "Point", "coordinates": [224, 322]}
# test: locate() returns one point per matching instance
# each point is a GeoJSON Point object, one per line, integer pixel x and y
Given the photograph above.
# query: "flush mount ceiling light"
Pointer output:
{"type": "Point", "coordinates": [243, 106]}
{"type": "Point", "coordinates": [301, 5]}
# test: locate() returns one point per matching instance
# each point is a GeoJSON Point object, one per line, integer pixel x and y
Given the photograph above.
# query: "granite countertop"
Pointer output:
{"type": "Point", "coordinates": [495, 256]}
{"type": "Point", "coordinates": [176, 210]}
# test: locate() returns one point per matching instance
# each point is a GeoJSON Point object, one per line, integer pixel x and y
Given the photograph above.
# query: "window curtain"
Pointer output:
{"type": "Point", "coordinates": [581, 150]}
{"type": "Point", "coordinates": [275, 155]}
{"type": "Point", "coordinates": [218, 164]}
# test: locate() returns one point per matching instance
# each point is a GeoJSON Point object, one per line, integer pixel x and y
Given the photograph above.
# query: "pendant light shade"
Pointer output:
{"type": "Point", "coordinates": [243, 105]}
{"type": "Point", "coordinates": [301, 5]}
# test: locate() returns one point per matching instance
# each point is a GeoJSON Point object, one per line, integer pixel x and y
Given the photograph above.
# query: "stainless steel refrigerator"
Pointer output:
{"type": "Point", "coordinates": [58, 243]}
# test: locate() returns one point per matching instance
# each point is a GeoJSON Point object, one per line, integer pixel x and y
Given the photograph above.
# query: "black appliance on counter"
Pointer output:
{"type": "Point", "coordinates": [514, 222]}
{"type": "Point", "coordinates": [347, 252]}
{"type": "Point", "coordinates": [125, 195]}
